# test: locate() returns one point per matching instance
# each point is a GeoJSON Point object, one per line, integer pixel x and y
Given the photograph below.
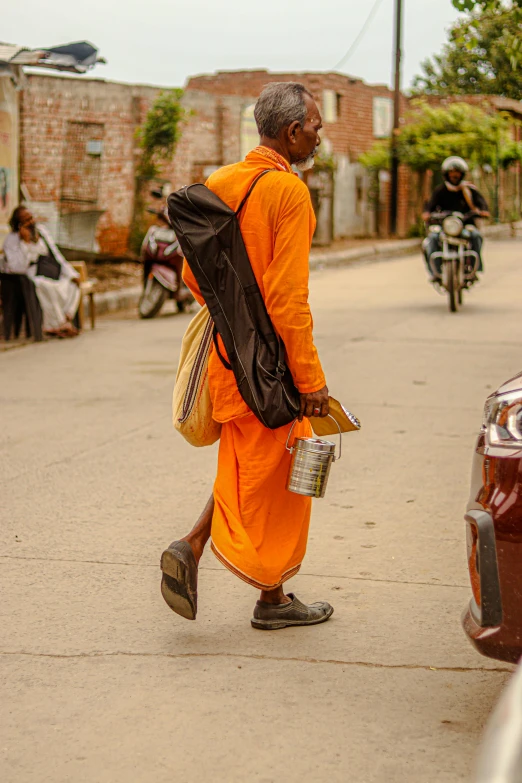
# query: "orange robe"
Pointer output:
{"type": "Point", "coordinates": [259, 529]}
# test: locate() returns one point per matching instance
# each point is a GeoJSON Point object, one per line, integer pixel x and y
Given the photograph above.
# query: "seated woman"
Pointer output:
{"type": "Point", "coordinates": [29, 250]}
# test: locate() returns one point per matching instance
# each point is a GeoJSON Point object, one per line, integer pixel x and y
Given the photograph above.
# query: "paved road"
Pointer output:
{"type": "Point", "coordinates": [103, 683]}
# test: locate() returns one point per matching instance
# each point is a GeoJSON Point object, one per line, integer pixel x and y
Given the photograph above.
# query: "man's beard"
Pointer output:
{"type": "Point", "coordinates": [307, 163]}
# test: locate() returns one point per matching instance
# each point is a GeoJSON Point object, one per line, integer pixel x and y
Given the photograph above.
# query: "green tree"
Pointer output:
{"type": "Point", "coordinates": [432, 133]}
{"type": "Point", "coordinates": [478, 59]}
{"type": "Point", "coordinates": [377, 158]}
{"type": "Point", "coordinates": [157, 138]}
{"type": "Point", "coordinates": [160, 132]}
{"type": "Point", "coordinates": [471, 5]}
{"type": "Point", "coordinates": [511, 38]}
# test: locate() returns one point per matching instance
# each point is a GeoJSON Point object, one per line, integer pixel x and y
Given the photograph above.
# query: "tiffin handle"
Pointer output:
{"type": "Point", "coordinates": [290, 449]}
{"type": "Point", "coordinates": [340, 439]}
{"type": "Point", "coordinates": [290, 435]}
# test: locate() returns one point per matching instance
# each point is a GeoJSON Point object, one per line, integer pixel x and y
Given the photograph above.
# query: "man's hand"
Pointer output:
{"type": "Point", "coordinates": [483, 213]}
{"type": "Point", "coordinates": [425, 216]}
{"type": "Point", "coordinates": [26, 233]}
{"type": "Point", "coordinates": [314, 404]}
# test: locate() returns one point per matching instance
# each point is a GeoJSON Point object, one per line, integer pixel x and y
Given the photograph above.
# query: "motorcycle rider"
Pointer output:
{"type": "Point", "coordinates": [454, 195]}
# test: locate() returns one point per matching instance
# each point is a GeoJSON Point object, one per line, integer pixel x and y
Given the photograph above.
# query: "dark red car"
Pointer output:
{"type": "Point", "coordinates": [493, 620]}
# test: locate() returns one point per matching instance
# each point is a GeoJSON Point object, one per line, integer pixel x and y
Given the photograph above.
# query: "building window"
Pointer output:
{"type": "Point", "coordinates": [331, 106]}
{"type": "Point", "coordinates": [382, 117]}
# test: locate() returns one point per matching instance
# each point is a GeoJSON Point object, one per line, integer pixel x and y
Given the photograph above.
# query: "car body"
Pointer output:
{"type": "Point", "coordinates": [500, 758]}
{"type": "Point", "coordinates": [493, 620]}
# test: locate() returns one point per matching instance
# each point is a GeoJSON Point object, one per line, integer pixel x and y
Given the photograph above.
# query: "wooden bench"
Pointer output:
{"type": "Point", "coordinates": [87, 288]}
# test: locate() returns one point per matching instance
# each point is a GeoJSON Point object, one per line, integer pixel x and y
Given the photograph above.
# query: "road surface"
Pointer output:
{"type": "Point", "coordinates": [101, 682]}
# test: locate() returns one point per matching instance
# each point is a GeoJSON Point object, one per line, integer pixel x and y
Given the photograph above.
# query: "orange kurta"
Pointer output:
{"type": "Point", "coordinates": [259, 529]}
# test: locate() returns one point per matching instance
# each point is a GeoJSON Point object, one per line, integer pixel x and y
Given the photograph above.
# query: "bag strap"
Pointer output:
{"type": "Point", "coordinates": [224, 362]}
{"type": "Point", "coordinates": [46, 243]}
{"type": "Point", "coordinates": [251, 188]}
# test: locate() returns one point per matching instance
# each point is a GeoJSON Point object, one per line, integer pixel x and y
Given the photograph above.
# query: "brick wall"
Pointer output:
{"type": "Point", "coordinates": [211, 136]}
{"type": "Point", "coordinates": [352, 134]}
{"type": "Point", "coordinates": [50, 107]}
{"type": "Point", "coordinates": [111, 112]}
{"type": "Point", "coordinates": [60, 115]}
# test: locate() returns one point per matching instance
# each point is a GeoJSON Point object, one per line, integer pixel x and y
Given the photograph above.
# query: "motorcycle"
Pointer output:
{"type": "Point", "coordinates": [162, 267]}
{"type": "Point", "coordinates": [459, 262]}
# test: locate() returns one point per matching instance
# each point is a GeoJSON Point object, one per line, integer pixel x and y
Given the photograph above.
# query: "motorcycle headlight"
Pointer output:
{"type": "Point", "coordinates": [452, 226]}
{"type": "Point", "coordinates": [503, 419]}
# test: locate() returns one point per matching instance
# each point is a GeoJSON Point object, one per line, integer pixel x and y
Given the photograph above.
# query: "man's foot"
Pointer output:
{"type": "Point", "coordinates": [68, 330]}
{"type": "Point", "coordinates": [270, 617]}
{"type": "Point", "coordinates": [179, 583]}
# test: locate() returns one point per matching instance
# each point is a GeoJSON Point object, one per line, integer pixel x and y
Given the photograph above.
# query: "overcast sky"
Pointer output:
{"type": "Point", "coordinates": [165, 41]}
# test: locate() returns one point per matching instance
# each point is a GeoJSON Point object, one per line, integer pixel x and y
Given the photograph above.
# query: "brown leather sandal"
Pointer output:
{"type": "Point", "coordinates": [179, 583]}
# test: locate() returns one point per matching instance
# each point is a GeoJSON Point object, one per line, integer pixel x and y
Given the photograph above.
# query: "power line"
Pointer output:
{"type": "Point", "coordinates": [360, 35]}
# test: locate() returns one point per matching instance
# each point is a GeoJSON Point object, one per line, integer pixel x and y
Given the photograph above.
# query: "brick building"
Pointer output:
{"type": "Point", "coordinates": [78, 149]}
{"type": "Point", "coordinates": [77, 157]}
{"type": "Point", "coordinates": [355, 115]}
{"type": "Point", "coordinates": [78, 152]}
{"type": "Point", "coordinates": [76, 58]}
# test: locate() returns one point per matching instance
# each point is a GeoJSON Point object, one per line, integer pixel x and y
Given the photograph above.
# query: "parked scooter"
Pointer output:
{"type": "Point", "coordinates": [458, 260]}
{"type": "Point", "coordinates": [162, 267]}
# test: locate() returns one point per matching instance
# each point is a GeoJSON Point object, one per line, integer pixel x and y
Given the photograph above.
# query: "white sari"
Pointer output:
{"type": "Point", "coordinates": [59, 299]}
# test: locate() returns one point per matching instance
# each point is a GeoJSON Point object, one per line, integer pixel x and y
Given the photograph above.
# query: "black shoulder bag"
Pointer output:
{"type": "Point", "coordinates": [210, 237]}
{"type": "Point", "coordinates": [48, 266]}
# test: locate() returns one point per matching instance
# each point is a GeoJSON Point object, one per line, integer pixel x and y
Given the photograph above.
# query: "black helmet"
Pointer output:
{"type": "Point", "coordinates": [454, 163]}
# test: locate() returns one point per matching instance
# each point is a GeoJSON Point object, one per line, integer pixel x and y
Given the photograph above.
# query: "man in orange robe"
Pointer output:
{"type": "Point", "coordinates": [259, 529]}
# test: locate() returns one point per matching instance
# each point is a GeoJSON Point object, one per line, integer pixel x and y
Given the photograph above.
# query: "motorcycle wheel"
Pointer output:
{"type": "Point", "coordinates": [152, 299]}
{"type": "Point", "coordinates": [450, 286]}
{"type": "Point", "coordinates": [453, 285]}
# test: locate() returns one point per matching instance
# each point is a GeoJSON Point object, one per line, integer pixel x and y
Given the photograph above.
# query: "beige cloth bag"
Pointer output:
{"type": "Point", "coordinates": [191, 403]}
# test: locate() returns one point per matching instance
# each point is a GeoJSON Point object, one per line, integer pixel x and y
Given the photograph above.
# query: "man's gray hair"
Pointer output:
{"type": "Point", "coordinates": [280, 104]}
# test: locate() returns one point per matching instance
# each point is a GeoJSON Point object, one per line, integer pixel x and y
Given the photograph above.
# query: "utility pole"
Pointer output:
{"type": "Point", "coordinates": [394, 194]}
{"type": "Point", "coordinates": [497, 179]}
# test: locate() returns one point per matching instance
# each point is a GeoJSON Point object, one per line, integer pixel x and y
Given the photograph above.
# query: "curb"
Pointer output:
{"type": "Point", "coordinates": [112, 301]}
{"type": "Point", "coordinates": [368, 253]}
{"type": "Point", "coordinates": [501, 230]}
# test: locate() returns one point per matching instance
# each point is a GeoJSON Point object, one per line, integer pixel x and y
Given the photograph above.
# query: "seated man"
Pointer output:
{"type": "Point", "coordinates": [455, 195]}
{"type": "Point", "coordinates": [29, 250]}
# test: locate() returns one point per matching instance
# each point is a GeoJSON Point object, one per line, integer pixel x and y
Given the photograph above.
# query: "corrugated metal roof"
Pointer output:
{"type": "Point", "coordinates": [76, 57]}
{"type": "Point", "coordinates": [29, 57]}
{"type": "Point", "coordinates": [8, 51]}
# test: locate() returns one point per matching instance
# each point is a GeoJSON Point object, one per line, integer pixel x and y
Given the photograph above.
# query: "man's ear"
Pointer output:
{"type": "Point", "coordinates": [292, 131]}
